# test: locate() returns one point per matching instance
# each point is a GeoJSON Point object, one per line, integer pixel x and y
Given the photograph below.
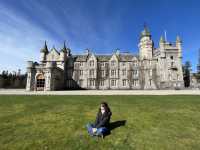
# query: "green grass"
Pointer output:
{"type": "Point", "coordinates": [58, 122]}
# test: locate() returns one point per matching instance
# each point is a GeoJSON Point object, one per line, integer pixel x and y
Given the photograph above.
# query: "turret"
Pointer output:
{"type": "Point", "coordinates": [43, 52]}
{"type": "Point", "coordinates": [117, 52]}
{"type": "Point", "coordinates": [146, 44]}
{"type": "Point", "coordinates": [162, 46]}
{"type": "Point", "coordinates": [179, 46]}
{"type": "Point", "coordinates": [63, 53]}
{"type": "Point", "coordinates": [198, 65]}
{"type": "Point", "coordinates": [66, 50]}
{"type": "Point", "coordinates": [87, 51]}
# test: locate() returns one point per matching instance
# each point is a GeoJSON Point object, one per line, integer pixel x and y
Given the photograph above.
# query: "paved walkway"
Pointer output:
{"type": "Point", "coordinates": [100, 92]}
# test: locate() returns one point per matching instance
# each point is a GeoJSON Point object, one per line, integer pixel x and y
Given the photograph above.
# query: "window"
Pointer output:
{"type": "Point", "coordinates": [113, 82]}
{"type": "Point", "coordinates": [81, 63]}
{"type": "Point", "coordinates": [135, 82]}
{"type": "Point", "coordinates": [80, 72]}
{"type": "Point", "coordinates": [101, 82]}
{"type": "Point", "coordinates": [171, 57]}
{"type": "Point", "coordinates": [170, 77]}
{"type": "Point", "coordinates": [172, 64]}
{"type": "Point", "coordinates": [149, 62]}
{"type": "Point", "coordinates": [124, 82]}
{"type": "Point", "coordinates": [91, 62]}
{"type": "Point", "coordinates": [77, 64]}
{"type": "Point", "coordinates": [112, 63]}
{"type": "Point", "coordinates": [102, 73]}
{"type": "Point", "coordinates": [113, 72]}
{"type": "Point", "coordinates": [135, 63]}
{"type": "Point", "coordinates": [150, 72]}
{"type": "Point", "coordinates": [123, 63]}
{"type": "Point", "coordinates": [124, 72]}
{"type": "Point", "coordinates": [150, 82]}
{"type": "Point", "coordinates": [135, 73]}
{"type": "Point", "coordinates": [92, 82]}
{"type": "Point", "coordinates": [102, 64]}
{"type": "Point", "coordinates": [91, 72]}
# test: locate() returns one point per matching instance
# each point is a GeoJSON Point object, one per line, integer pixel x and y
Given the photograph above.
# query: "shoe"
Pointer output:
{"type": "Point", "coordinates": [102, 136]}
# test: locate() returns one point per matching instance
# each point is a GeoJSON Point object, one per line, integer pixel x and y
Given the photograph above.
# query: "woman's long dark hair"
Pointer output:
{"type": "Point", "coordinates": [105, 105]}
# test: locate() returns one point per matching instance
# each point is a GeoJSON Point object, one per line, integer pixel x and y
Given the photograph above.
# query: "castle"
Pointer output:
{"type": "Point", "coordinates": [153, 68]}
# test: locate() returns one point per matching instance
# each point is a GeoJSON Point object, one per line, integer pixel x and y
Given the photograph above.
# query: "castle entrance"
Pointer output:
{"type": "Point", "coordinates": [40, 83]}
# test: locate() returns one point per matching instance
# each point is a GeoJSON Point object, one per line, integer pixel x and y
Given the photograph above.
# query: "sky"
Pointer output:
{"type": "Point", "coordinates": [100, 25]}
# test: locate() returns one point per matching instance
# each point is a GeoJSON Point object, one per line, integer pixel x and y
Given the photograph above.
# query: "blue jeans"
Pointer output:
{"type": "Point", "coordinates": [100, 131]}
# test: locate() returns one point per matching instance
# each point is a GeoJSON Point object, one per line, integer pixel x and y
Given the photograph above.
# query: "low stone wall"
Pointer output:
{"type": "Point", "coordinates": [100, 92]}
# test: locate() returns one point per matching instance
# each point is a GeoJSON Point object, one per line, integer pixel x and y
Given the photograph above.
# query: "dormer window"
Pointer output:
{"type": "Point", "coordinates": [112, 63]}
{"type": "Point", "coordinates": [91, 72]}
{"type": "Point", "coordinates": [134, 63]}
{"type": "Point", "coordinates": [102, 64]}
{"type": "Point", "coordinates": [91, 62]}
{"type": "Point", "coordinates": [124, 72]}
{"type": "Point", "coordinates": [77, 64]}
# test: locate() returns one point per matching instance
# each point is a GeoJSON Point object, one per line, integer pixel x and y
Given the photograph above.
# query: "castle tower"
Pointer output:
{"type": "Point", "coordinates": [145, 45]}
{"type": "Point", "coordinates": [43, 52]}
{"type": "Point", "coordinates": [63, 53]}
{"type": "Point", "coordinates": [66, 50]}
{"type": "Point", "coordinates": [162, 46]}
{"type": "Point", "coordinates": [179, 46]}
{"type": "Point", "coordinates": [198, 65]}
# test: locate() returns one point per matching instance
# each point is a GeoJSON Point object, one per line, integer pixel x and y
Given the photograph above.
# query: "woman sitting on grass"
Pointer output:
{"type": "Point", "coordinates": [101, 125]}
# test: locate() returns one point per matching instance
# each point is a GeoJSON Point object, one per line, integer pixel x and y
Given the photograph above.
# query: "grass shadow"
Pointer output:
{"type": "Point", "coordinates": [114, 125]}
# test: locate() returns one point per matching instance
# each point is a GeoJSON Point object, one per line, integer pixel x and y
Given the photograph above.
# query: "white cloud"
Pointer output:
{"type": "Point", "coordinates": [20, 40]}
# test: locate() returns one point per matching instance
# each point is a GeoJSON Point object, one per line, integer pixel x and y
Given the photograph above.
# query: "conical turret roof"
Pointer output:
{"type": "Point", "coordinates": [65, 49]}
{"type": "Point", "coordinates": [162, 39]}
{"type": "Point", "coordinates": [45, 48]}
{"type": "Point", "coordinates": [145, 32]}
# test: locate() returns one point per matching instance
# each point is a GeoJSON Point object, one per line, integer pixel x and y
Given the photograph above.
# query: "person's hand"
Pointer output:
{"type": "Point", "coordinates": [94, 130]}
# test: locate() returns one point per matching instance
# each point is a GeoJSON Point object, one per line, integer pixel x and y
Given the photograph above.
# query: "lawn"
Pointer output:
{"type": "Point", "coordinates": [58, 122]}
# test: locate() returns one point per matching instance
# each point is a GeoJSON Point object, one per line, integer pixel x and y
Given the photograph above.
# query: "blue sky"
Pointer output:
{"type": "Point", "coordinates": [101, 25]}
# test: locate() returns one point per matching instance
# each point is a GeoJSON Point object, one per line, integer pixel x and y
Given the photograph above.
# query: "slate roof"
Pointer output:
{"type": "Point", "coordinates": [125, 57]}
{"type": "Point", "coordinates": [80, 57]}
{"type": "Point", "coordinates": [103, 57]}
{"type": "Point", "coordinates": [121, 57]}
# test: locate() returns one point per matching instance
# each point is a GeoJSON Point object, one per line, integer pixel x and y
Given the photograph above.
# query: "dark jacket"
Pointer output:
{"type": "Point", "coordinates": [102, 120]}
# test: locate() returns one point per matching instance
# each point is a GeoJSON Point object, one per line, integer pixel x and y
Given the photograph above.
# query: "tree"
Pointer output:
{"type": "Point", "coordinates": [1, 82]}
{"type": "Point", "coordinates": [11, 80]}
{"type": "Point", "coordinates": [186, 73]}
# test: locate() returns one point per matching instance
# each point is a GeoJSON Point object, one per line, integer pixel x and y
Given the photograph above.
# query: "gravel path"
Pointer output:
{"type": "Point", "coordinates": [100, 92]}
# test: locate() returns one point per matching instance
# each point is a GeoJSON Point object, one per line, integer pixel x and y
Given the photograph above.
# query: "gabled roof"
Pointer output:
{"type": "Point", "coordinates": [121, 57]}
{"type": "Point", "coordinates": [127, 57]}
{"type": "Point", "coordinates": [103, 57]}
{"type": "Point", "coordinates": [54, 50]}
{"type": "Point", "coordinates": [80, 57]}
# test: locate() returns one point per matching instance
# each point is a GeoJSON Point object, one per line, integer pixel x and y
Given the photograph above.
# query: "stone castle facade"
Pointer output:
{"type": "Point", "coordinates": [153, 68]}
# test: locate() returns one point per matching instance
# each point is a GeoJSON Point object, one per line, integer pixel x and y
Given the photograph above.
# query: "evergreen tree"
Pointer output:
{"type": "Point", "coordinates": [186, 73]}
